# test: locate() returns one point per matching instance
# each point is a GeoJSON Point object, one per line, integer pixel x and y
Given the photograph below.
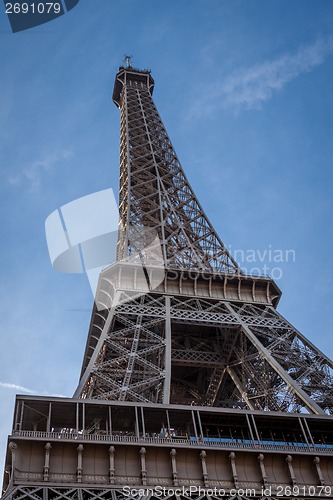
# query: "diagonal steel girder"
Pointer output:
{"type": "Point", "coordinates": [265, 353]}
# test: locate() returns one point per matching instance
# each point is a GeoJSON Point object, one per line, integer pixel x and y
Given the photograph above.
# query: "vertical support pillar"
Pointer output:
{"type": "Point", "coordinates": [167, 356]}
{"type": "Point", "coordinates": [200, 426]}
{"type": "Point", "coordinates": [194, 425]}
{"type": "Point", "coordinates": [84, 418]}
{"type": "Point", "coordinates": [48, 423]}
{"type": "Point", "coordinates": [255, 427]}
{"type": "Point", "coordinates": [303, 431]}
{"type": "Point", "coordinates": [168, 423]}
{"type": "Point", "coordinates": [143, 466]}
{"type": "Point", "coordinates": [16, 419]}
{"type": "Point", "coordinates": [232, 458]}
{"type": "Point", "coordinates": [79, 463]}
{"type": "Point", "coordinates": [316, 462]}
{"type": "Point", "coordinates": [137, 428]}
{"type": "Point", "coordinates": [112, 468]}
{"type": "Point", "coordinates": [110, 421]}
{"type": "Point", "coordinates": [13, 449]}
{"type": "Point", "coordinates": [21, 417]}
{"type": "Point", "coordinates": [143, 423]}
{"type": "Point", "coordinates": [47, 462]}
{"type": "Point", "coordinates": [309, 432]}
{"type": "Point", "coordinates": [173, 454]}
{"type": "Point", "coordinates": [289, 460]}
{"type": "Point", "coordinates": [261, 459]}
{"type": "Point", "coordinates": [249, 427]}
{"type": "Point", "coordinates": [77, 418]}
{"type": "Point", "coordinates": [203, 456]}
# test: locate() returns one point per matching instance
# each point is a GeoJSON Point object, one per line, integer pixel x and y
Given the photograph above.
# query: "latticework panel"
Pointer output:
{"type": "Point", "coordinates": [93, 493]}
{"type": "Point", "coordinates": [208, 352]}
{"type": "Point", "coordinates": [155, 193]}
{"type": "Point", "coordinates": [131, 363]}
{"type": "Point", "coordinates": [311, 370]}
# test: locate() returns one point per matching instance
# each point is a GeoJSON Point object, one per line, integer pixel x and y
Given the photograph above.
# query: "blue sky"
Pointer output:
{"type": "Point", "coordinates": [245, 91]}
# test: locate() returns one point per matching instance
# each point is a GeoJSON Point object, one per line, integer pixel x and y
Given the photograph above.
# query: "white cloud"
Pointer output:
{"type": "Point", "coordinates": [19, 389]}
{"type": "Point", "coordinates": [34, 171]}
{"type": "Point", "coordinates": [15, 387]}
{"type": "Point", "coordinates": [249, 88]}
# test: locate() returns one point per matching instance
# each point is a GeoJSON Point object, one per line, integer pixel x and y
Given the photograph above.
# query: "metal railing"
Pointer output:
{"type": "Point", "coordinates": [173, 440]}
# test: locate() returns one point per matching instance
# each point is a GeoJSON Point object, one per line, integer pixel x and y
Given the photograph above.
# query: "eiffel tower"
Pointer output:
{"type": "Point", "coordinates": [192, 384]}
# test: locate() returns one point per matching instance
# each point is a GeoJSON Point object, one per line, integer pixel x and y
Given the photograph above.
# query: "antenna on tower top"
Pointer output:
{"type": "Point", "coordinates": [128, 60]}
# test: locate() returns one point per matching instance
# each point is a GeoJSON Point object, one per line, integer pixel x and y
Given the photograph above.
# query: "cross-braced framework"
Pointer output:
{"type": "Point", "coordinates": [190, 377]}
{"type": "Point", "coordinates": [207, 352]}
{"type": "Point", "coordinates": [154, 191]}
{"type": "Point", "coordinates": [189, 350]}
{"type": "Point", "coordinates": [40, 493]}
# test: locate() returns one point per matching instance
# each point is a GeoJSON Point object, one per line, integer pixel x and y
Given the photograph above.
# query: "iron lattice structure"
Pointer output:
{"type": "Point", "coordinates": [154, 191]}
{"type": "Point", "coordinates": [222, 354]}
{"type": "Point", "coordinates": [190, 378]}
{"type": "Point", "coordinates": [166, 347]}
{"type": "Point", "coordinates": [37, 493]}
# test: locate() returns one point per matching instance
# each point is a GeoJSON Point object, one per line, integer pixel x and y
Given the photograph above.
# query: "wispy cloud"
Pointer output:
{"type": "Point", "coordinates": [20, 388]}
{"type": "Point", "coordinates": [34, 171]}
{"type": "Point", "coordinates": [15, 387]}
{"type": "Point", "coordinates": [249, 88]}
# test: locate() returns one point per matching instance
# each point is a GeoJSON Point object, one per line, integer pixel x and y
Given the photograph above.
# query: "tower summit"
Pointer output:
{"type": "Point", "coordinates": [154, 191]}
{"type": "Point", "coordinates": [190, 377]}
